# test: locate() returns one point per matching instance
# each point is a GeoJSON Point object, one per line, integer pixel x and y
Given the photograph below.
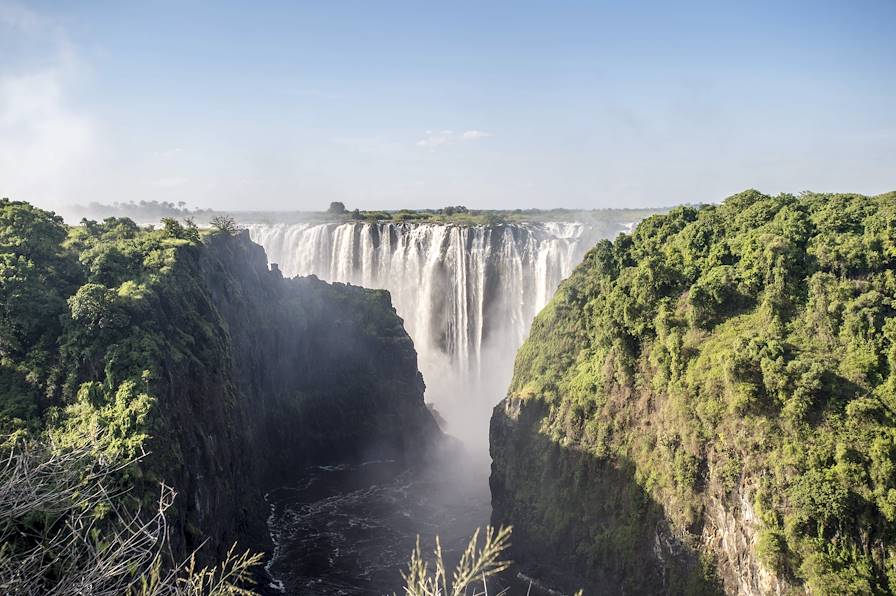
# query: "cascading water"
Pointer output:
{"type": "Point", "coordinates": [467, 294]}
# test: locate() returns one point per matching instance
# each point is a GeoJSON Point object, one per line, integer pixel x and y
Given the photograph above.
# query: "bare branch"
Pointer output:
{"type": "Point", "coordinates": [65, 529]}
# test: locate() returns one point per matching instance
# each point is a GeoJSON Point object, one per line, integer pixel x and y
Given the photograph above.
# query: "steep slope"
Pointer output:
{"type": "Point", "coordinates": [192, 350]}
{"type": "Point", "coordinates": [710, 404]}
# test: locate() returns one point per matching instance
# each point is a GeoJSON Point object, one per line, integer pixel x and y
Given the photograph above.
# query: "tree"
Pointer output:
{"type": "Point", "coordinates": [191, 230]}
{"type": "Point", "coordinates": [172, 227]}
{"type": "Point", "coordinates": [94, 307]}
{"type": "Point", "coordinates": [453, 210]}
{"type": "Point", "coordinates": [224, 224]}
{"type": "Point", "coordinates": [492, 218]}
{"type": "Point", "coordinates": [36, 274]}
{"type": "Point", "coordinates": [337, 208]}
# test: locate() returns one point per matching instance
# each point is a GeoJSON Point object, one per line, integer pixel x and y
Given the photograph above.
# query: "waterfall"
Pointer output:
{"type": "Point", "coordinates": [467, 294]}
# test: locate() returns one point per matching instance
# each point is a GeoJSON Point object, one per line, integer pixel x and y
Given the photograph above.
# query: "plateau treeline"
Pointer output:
{"type": "Point", "coordinates": [731, 370]}
{"type": "Point", "coordinates": [151, 212]}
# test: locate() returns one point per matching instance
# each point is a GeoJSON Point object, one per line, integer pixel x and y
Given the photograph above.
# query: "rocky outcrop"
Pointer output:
{"type": "Point", "coordinates": [583, 522]}
{"type": "Point", "coordinates": [732, 531]}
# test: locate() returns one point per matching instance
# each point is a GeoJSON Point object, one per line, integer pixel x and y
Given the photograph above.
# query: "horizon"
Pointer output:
{"type": "Point", "coordinates": [587, 106]}
{"type": "Point", "coordinates": [96, 210]}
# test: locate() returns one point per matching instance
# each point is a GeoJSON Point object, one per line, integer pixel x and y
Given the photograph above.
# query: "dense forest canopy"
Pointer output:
{"type": "Point", "coordinates": [79, 341]}
{"type": "Point", "coordinates": [747, 348]}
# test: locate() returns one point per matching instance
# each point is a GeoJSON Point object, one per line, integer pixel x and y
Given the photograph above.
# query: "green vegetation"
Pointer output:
{"type": "Point", "coordinates": [82, 343]}
{"type": "Point", "coordinates": [458, 215]}
{"type": "Point", "coordinates": [180, 353]}
{"type": "Point", "coordinates": [746, 350]}
{"type": "Point", "coordinates": [97, 324]}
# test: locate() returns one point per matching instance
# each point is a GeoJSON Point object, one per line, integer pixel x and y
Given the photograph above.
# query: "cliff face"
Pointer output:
{"type": "Point", "coordinates": [336, 356]}
{"type": "Point", "coordinates": [580, 521]}
{"type": "Point", "coordinates": [707, 405]}
{"type": "Point", "coordinates": [189, 352]}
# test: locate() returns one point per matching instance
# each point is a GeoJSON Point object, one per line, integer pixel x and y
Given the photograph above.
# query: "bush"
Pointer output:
{"type": "Point", "coordinates": [771, 550]}
{"type": "Point", "coordinates": [476, 564]}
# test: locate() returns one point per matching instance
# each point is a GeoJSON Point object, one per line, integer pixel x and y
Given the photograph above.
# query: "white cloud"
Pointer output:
{"type": "Point", "coordinates": [475, 135]}
{"type": "Point", "coordinates": [434, 139]}
{"type": "Point", "coordinates": [45, 142]}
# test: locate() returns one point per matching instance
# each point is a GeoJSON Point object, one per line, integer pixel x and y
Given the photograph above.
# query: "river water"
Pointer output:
{"type": "Point", "coordinates": [350, 529]}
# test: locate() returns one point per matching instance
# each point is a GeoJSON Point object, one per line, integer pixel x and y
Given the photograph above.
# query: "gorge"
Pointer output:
{"type": "Point", "coordinates": [193, 364]}
{"type": "Point", "coordinates": [467, 294]}
{"type": "Point", "coordinates": [705, 405]}
{"type": "Point", "coordinates": [328, 298]}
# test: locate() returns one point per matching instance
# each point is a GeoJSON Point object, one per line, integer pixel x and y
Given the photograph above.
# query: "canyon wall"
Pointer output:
{"type": "Point", "coordinates": [309, 373]}
{"type": "Point", "coordinates": [707, 405]}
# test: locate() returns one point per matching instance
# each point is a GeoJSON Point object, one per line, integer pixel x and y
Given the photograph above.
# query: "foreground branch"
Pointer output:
{"type": "Point", "coordinates": [64, 529]}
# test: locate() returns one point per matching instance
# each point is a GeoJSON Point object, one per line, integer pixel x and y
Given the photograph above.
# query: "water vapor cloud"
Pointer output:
{"type": "Point", "coordinates": [439, 138]}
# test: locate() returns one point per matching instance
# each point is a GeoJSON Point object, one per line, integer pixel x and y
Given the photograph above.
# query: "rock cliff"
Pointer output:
{"type": "Point", "coordinates": [708, 405]}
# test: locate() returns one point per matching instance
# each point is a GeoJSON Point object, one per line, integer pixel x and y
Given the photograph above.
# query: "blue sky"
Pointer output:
{"type": "Point", "coordinates": [413, 104]}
